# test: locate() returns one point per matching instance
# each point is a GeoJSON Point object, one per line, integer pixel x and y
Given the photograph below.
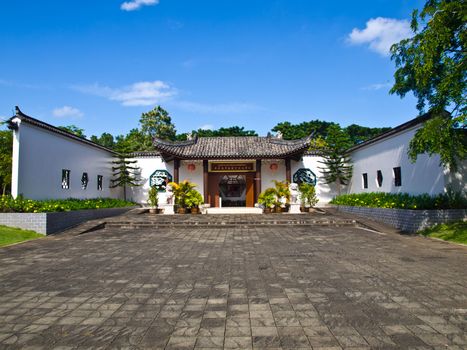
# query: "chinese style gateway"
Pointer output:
{"type": "Point", "coordinates": [51, 163]}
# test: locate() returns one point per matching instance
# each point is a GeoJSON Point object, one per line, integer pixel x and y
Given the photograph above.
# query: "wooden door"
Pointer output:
{"type": "Point", "coordinates": [250, 191]}
{"type": "Point", "coordinates": [213, 194]}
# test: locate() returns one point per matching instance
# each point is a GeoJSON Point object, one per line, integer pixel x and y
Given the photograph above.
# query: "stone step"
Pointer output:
{"type": "Point", "coordinates": [130, 224]}
{"type": "Point", "coordinates": [234, 210]}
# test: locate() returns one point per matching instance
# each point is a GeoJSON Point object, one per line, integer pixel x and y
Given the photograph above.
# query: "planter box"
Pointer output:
{"type": "Point", "coordinates": [47, 223]}
{"type": "Point", "coordinates": [407, 220]}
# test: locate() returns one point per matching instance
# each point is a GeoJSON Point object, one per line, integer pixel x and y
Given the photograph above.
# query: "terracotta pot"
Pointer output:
{"type": "Point", "coordinates": [278, 210]}
{"type": "Point", "coordinates": [181, 210]}
{"type": "Point", "coordinates": [266, 210]}
{"type": "Point", "coordinates": [154, 211]}
{"type": "Point", "coordinates": [195, 210]}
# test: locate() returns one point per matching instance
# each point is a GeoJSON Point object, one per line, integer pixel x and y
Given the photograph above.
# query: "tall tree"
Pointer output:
{"type": "Point", "coordinates": [229, 131]}
{"type": "Point", "coordinates": [6, 156]}
{"type": "Point", "coordinates": [156, 123]}
{"type": "Point", "coordinates": [432, 65]}
{"type": "Point", "coordinates": [124, 174]}
{"type": "Point", "coordinates": [359, 134]}
{"type": "Point", "coordinates": [132, 142]}
{"type": "Point", "coordinates": [297, 131]}
{"type": "Point", "coordinates": [337, 163]}
{"type": "Point", "coordinates": [106, 140]}
{"type": "Point", "coordinates": [74, 130]}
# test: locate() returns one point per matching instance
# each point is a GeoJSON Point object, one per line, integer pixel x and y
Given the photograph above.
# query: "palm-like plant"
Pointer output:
{"type": "Point", "coordinates": [282, 192]}
{"type": "Point", "coordinates": [180, 191]}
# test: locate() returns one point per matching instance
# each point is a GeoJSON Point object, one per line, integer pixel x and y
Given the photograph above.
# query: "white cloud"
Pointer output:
{"type": "Point", "coordinates": [67, 112]}
{"type": "Point", "coordinates": [145, 93]}
{"type": "Point", "coordinates": [137, 4]}
{"type": "Point", "coordinates": [381, 33]}
{"type": "Point", "coordinates": [377, 86]}
{"type": "Point", "coordinates": [222, 108]}
{"type": "Point", "coordinates": [206, 127]}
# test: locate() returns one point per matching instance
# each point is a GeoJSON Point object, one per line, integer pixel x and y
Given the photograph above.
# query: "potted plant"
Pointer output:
{"type": "Point", "coordinates": [180, 191]}
{"type": "Point", "coordinates": [308, 196]}
{"type": "Point", "coordinates": [267, 199]}
{"type": "Point", "coordinates": [282, 193]}
{"type": "Point", "coordinates": [193, 200]}
{"type": "Point", "coordinates": [153, 200]}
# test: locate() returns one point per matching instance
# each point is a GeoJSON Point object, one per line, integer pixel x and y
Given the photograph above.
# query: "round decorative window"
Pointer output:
{"type": "Point", "coordinates": [160, 179]}
{"type": "Point", "coordinates": [304, 175]}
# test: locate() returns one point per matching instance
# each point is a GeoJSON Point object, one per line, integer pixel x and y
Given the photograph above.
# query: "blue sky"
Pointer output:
{"type": "Point", "coordinates": [213, 63]}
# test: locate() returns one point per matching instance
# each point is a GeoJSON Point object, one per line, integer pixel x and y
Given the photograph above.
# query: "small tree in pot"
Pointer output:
{"type": "Point", "coordinates": [282, 193]}
{"type": "Point", "coordinates": [180, 191]}
{"type": "Point", "coordinates": [193, 200]}
{"type": "Point", "coordinates": [308, 195]}
{"type": "Point", "coordinates": [153, 200]}
{"type": "Point", "coordinates": [267, 199]}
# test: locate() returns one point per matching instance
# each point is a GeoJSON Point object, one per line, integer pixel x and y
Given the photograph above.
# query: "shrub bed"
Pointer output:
{"type": "Point", "coordinates": [21, 205]}
{"type": "Point", "coordinates": [449, 200]}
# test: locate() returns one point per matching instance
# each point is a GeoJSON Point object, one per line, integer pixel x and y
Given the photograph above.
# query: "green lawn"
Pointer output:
{"type": "Point", "coordinates": [10, 235]}
{"type": "Point", "coordinates": [454, 232]}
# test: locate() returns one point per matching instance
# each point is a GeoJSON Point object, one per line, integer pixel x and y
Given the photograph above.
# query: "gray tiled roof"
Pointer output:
{"type": "Point", "coordinates": [36, 122]}
{"type": "Point", "coordinates": [242, 147]}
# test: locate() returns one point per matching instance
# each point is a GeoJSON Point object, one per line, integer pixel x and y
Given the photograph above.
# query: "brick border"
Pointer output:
{"type": "Point", "coordinates": [404, 219]}
{"type": "Point", "coordinates": [47, 223]}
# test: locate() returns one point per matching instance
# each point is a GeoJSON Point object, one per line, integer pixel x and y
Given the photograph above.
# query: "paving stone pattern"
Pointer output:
{"type": "Point", "coordinates": [233, 288]}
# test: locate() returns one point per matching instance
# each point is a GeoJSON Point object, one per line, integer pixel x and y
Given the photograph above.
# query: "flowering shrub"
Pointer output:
{"type": "Point", "coordinates": [21, 205]}
{"type": "Point", "coordinates": [449, 200]}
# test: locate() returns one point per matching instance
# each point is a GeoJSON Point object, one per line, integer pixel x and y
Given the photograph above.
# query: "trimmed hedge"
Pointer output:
{"type": "Point", "coordinates": [21, 205]}
{"type": "Point", "coordinates": [449, 200]}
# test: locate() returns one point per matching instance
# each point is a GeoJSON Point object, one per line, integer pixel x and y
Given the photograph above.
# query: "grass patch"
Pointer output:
{"type": "Point", "coordinates": [10, 235]}
{"type": "Point", "coordinates": [454, 232]}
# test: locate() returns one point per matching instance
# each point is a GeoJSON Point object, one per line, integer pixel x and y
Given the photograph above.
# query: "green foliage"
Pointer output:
{"type": "Point", "coordinates": [449, 200]}
{"type": "Point", "coordinates": [454, 232]}
{"type": "Point", "coordinates": [106, 140]}
{"type": "Point", "coordinates": [282, 192]}
{"type": "Point", "coordinates": [124, 174]}
{"type": "Point", "coordinates": [319, 128]}
{"type": "Point", "coordinates": [153, 197]}
{"type": "Point", "coordinates": [337, 164]}
{"type": "Point", "coordinates": [134, 141]}
{"type": "Point", "coordinates": [359, 134]}
{"type": "Point", "coordinates": [6, 156]}
{"type": "Point", "coordinates": [433, 65]}
{"type": "Point", "coordinates": [156, 123]}
{"type": "Point", "coordinates": [21, 205]}
{"type": "Point", "coordinates": [181, 191]}
{"type": "Point", "coordinates": [10, 235]}
{"type": "Point", "coordinates": [193, 199]}
{"type": "Point", "coordinates": [267, 198]}
{"type": "Point", "coordinates": [308, 195]}
{"type": "Point", "coordinates": [222, 132]}
{"type": "Point", "coordinates": [74, 130]}
{"type": "Point", "coordinates": [297, 131]}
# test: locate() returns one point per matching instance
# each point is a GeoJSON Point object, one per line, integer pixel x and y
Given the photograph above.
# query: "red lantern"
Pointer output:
{"type": "Point", "coordinates": [273, 167]}
{"type": "Point", "coordinates": [191, 167]}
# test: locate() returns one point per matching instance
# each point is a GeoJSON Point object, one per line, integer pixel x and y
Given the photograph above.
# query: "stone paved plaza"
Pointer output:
{"type": "Point", "coordinates": [233, 288]}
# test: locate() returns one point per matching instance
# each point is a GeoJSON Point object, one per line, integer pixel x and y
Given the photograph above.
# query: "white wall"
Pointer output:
{"type": "Point", "coordinates": [195, 176]}
{"type": "Point", "coordinates": [324, 192]}
{"type": "Point", "coordinates": [267, 175]}
{"type": "Point", "coordinates": [40, 155]}
{"type": "Point", "coordinates": [424, 176]}
{"type": "Point", "coordinates": [147, 165]}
